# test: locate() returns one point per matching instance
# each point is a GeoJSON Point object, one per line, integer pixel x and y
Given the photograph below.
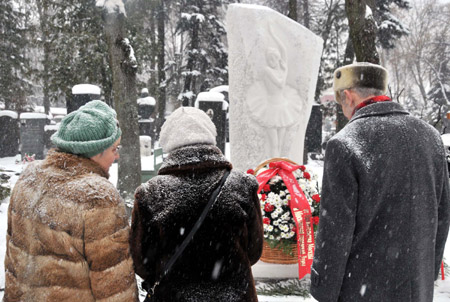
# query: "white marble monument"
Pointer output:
{"type": "Point", "coordinates": [273, 67]}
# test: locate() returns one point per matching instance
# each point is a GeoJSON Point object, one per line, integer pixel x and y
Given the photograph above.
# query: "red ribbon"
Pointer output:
{"type": "Point", "coordinates": [300, 209]}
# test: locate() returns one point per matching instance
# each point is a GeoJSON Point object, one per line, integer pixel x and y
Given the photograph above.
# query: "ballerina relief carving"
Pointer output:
{"type": "Point", "coordinates": [271, 102]}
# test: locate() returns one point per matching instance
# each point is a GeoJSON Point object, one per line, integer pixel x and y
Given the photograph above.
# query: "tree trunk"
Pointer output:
{"type": "Point", "coordinates": [306, 14]}
{"type": "Point", "coordinates": [124, 91]}
{"type": "Point", "coordinates": [349, 52]}
{"type": "Point", "coordinates": [153, 81]}
{"type": "Point", "coordinates": [293, 10]}
{"type": "Point", "coordinates": [189, 83]}
{"type": "Point", "coordinates": [44, 28]}
{"type": "Point", "coordinates": [362, 31]}
{"type": "Point", "coordinates": [161, 71]}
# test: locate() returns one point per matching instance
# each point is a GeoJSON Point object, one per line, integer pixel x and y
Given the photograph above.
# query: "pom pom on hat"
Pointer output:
{"type": "Point", "coordinates": [360, 74]}
{"type": "Point", "coordinates": [187, 126]}
{"type": "Point", "coordinates": [88, 131]}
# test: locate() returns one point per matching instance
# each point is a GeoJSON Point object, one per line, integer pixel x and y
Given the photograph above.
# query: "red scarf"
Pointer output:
{"type": "Point", "coordinates": [376, 99]}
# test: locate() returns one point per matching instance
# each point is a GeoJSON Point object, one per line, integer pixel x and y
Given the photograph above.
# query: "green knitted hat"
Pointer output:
{"type": "Point", "coordinates": [90, 130]}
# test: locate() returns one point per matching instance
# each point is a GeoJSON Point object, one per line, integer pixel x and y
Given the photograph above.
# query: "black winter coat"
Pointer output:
{"type": "Point", "coordinates": [216, 265]}
{"type": "Point", "coordinates": [384, 211]}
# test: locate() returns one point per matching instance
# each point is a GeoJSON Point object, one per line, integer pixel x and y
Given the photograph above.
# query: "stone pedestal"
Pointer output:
{"type": "Point", "coordinates": [276, 271]}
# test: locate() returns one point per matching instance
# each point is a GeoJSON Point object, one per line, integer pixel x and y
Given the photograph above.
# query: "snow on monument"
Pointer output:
{"type": "Point", "coordinates": [273, 67]}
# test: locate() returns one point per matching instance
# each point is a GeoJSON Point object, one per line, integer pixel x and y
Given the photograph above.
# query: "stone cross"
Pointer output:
{"type": "Point", "coordinates": [273, 67]}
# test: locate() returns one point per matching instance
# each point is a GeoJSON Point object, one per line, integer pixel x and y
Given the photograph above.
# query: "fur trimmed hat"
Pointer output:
{"type": "Point", "coordinates": [88, 131]}
{"type": "Point", "coordinates": [360, 74]}
{"type": "Point", "coordinates": [187, 126]}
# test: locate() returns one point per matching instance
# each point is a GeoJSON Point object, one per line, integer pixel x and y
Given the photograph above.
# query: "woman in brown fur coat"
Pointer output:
{"type": "Point", "coordinates": [216, 265]}
{"type": "Point", "coordinates": [68, 234]}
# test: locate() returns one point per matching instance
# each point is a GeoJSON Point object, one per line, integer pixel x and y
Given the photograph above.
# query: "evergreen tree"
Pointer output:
{"type": "Point", "coordinates": [205, 55]}
{"type": "Point", "coordinates": [390, 28]}
{"type": "Point", "coordinates": [14, 82]}
{"type": "Point", "coordinates": [81, 55]}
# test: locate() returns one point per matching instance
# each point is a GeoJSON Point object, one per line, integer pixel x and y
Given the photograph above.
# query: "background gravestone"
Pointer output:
{"type": "Point", "coordinates": [223, 89]}
{"type": "Point", "coordinates": [32, 138]}
{"type": "Point", "coordinates": [82, 94]}
{"type": "Point", "coordinates": [49, 130]}
{"type": "Point", "coordinates": [9, 133]}
{"type": "Point", "coordinates": [146, 106]}
{"type": "Point", "coordinates": [215, 106]}
{"type": "Point", "coordinates": [313, 139]}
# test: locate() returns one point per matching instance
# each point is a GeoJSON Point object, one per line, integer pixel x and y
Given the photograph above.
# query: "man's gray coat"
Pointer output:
{"type": "Point", "coordinates": [385, 209]}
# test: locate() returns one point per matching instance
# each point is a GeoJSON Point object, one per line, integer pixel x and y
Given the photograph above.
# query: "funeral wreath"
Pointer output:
{"type": "Point", "coordinates": [279, 226]}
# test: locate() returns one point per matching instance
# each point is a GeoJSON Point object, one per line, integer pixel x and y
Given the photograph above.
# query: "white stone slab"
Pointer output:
{"type": "Point", "coordinates": [273, 68]}
{"type": "Point", "coordinates": [277, 271]}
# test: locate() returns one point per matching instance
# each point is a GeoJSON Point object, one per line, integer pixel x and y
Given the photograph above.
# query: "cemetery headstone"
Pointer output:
{"type": "Point", "coordinates": [9, 133]}
{"type": "Point", "coordinates": [215, 106]}
{"type": "Point", "coordinates": [146, 107]}
{"type": "Point", "coordinates": [313, 140]}
{"type": "Point", "coordinates": [32, 136]}
{"type": "Point", "coordinates": [49, 130]}
{"type": "Point", "coordinates": [146, 145]}
{"type": "Point", "coordinates": [82, 94]}
{"type": "Point", "coordinates": [273, 68]}
{"type": "Point", "coordinates": [146, 104]}
{"type": "Point", "coordinates": [223, 89]}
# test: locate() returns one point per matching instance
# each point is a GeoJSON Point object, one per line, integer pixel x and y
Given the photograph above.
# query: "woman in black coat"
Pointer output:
{"type": "Point", "coordinates": [216, 265]}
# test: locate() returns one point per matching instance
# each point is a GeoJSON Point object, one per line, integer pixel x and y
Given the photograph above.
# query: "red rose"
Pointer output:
{"type": "Point", "coordinates": [266, 220]}
{"type": "Point", "coordinates": [272, 165]}
{"type": "Point", "coordinates": [315, 220]}
{"type": "Point", "coordinates": [266, 188]}
{"type": "Point", "coordinates": [268, 207]}
{"type": "Point", "coordinates": [303, 168]}
{"type": "Point", "coordinates": [306, 175]}
{"type": "Point", "coordinates": [316, 198]}
{"type": "Point", "coordinates": [250, 171]}
{"type": "Point", "coordinates": [263, 197]}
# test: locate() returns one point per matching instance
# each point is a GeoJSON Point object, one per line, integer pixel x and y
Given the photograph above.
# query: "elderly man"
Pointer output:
{"type": "Point", "coordinates": [385, 198]}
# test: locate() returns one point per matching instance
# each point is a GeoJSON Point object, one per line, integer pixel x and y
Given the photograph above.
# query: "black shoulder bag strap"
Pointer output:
{"type": "Point", "coordinates": [191, 234]}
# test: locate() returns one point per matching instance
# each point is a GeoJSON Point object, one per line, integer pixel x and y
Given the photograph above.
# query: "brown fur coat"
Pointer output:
{"type": "Point", "coordinates": [67, 236]}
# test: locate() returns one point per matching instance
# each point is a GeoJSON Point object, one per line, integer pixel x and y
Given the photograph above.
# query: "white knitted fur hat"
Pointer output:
{"type": "Point", "coordinates": [187, 126]}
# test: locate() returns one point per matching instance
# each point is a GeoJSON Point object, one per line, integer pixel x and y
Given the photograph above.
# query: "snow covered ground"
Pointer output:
{"type": "Point", "coordinates": [442, 288]}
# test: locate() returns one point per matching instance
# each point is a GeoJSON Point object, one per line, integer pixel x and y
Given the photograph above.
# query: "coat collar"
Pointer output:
{"type": "Point", "coordinates": [194, 157]}
{"type": "Point", "coordinates": [73, 164]}
{"type": "Point", "coordinates": [382, 108]}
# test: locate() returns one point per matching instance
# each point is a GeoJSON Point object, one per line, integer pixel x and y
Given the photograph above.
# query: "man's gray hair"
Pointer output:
{"type": "Point", "coordinates": [365, 92]}
{"type": "Point", "coordinates": [362, 92]}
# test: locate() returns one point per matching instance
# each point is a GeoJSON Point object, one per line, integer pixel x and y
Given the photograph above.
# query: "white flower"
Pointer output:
{"type": "Point", "coordinates": [274, 214]}
{"type": "Point", "coordinates": [271, 237]}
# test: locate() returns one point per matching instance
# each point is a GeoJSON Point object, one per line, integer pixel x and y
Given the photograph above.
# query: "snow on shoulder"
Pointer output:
{"type": "Point", "coordinates": [86, 89]}
{"type": "Point", "coordinates": [11, 114]}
